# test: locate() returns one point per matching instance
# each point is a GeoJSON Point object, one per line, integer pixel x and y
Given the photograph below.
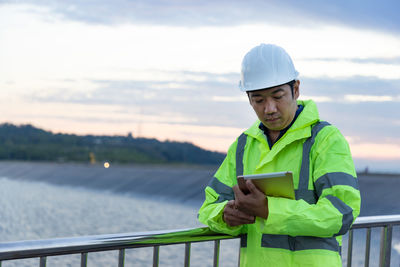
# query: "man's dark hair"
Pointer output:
{"type": "Point", "coordinates": [291, 84]}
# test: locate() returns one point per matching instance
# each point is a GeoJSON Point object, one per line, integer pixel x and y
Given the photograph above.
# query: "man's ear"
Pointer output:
{"type": "Point", "coordinates": [296, 89]}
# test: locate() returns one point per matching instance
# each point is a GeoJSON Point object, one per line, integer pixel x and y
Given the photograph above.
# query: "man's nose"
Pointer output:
{"type": "Point", "coordinates": [270, 107]}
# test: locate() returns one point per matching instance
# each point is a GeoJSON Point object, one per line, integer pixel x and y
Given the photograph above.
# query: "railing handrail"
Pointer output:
{"type": "Point", "coordinates": [72, 245]}
{"type": "Point", "coordinates": [83, 244]}
{"type": "Point", "coordinates": [376, 221]}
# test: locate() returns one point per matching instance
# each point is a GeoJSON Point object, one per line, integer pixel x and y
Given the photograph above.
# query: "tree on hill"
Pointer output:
{"type": "Point", "coordinates": [26, 142]}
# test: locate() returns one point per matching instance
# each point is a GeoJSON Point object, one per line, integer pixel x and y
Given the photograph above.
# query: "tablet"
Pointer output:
{"type": "Point", "coordinates": [275, 184]}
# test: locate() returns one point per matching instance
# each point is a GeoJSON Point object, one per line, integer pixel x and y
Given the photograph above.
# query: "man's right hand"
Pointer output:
{"type": "Point", "coordinates": [234, 217]}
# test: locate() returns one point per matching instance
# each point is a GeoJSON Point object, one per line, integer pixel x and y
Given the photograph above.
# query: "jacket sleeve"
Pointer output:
{"type": "Point", "coordinates": [335, 183]}
{"type": "Point", "coordinates": [218, 193]}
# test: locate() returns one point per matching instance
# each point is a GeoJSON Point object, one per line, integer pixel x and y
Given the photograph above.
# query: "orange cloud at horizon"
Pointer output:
{"type": "Point", "coordinates": [384, 151]}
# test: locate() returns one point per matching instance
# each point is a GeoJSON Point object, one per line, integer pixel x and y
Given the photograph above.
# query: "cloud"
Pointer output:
{"type": "Point", "coordinates": [32, 48]}
{"type": "Point", "coordinates": [369, 98]}
{"type": "Point", "coordinates": [242, 98]}
{"type": "Point", "coordinates": [376, 151]}
{"type": "Point", "coordinates": [381, 15]}
{"type": "Point", "coordinates": [367, 121]}
{"type": "Point", "coordinates": [355, 85]}
{"type": "Point", "coordinates": [195, 100]}
{"type": "Point", "coordinates": [349, 68]}
{"type": "Point", "coordinates": [362, 107]}
{"type": "Point", "coordinates": [375, 60]}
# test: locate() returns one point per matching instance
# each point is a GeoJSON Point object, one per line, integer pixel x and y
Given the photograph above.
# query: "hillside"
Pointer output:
{"type": "Point", "coordinates": [28, 143]}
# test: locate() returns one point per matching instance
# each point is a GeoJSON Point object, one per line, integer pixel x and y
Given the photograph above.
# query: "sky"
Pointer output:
{"type": "Point", "coordinates": [170, 69]}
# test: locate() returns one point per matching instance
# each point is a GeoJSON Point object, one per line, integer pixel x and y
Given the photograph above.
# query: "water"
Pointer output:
{"type": "Point", "coordinates": [32, 210]}
{"type": "Point", "coordinates": [36, 210]}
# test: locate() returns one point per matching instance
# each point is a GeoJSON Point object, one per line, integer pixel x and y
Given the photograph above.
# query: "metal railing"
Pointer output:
{"type": "Point", "coordinates": [83, 245]}
{"type": "Point", "coordinates": [386, 223]}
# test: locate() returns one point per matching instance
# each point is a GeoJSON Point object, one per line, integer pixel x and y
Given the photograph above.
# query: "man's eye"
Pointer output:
{"type": "Point", "coordinates": [278, 97]}
{"type": "Point", "coordinates": [258, 101]}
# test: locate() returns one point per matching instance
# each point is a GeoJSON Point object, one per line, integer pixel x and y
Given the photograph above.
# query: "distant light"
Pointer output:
{"type": "Point", "coordinates": [106, 165]}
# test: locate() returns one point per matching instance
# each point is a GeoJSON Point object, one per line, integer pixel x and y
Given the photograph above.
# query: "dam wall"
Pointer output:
{"type": "Point", "coordinates": [184, 184]}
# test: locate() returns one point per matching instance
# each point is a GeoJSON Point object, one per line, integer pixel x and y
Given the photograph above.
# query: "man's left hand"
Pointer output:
{"type": "Point", "coordinates": [255, 203]}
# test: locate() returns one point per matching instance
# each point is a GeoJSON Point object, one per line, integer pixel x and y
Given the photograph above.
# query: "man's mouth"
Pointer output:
{"type": "Point", "coordinates": [271, 119]}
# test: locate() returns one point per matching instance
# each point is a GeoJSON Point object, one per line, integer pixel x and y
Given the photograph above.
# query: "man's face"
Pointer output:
{"type": "Point", "coordinates": [276, 106]}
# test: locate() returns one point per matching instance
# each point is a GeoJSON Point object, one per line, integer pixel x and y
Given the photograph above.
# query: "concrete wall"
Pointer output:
{"type": "Point", "coordinates": [184, 184]}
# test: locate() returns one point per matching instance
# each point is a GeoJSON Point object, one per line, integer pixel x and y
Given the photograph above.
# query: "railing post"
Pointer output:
{"type": "Point", "coordinates": [121, 258]}
{"type": "Point", "coordinates": [239, 250]}
{"type": "Point", "coordinates": [350, 249]}
{"type": "Point", "coordinates": [156, 255]}
{"type": "Point", "coordinates": [386, 246]}
{"type": "Point", "coordinates": [84, 259]}
{"type": "Point", "coordinates": [187, 255]}
{"type": "Point", "coordinates": [367, 247]}
{"type": "Point", "coordinates": [216, 253]}
{"type": "Point", "coordinates": [42, 262]}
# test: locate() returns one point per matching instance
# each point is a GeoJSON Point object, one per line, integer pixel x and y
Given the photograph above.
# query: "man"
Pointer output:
{"type": "Point", "coordinates": [288, 136]}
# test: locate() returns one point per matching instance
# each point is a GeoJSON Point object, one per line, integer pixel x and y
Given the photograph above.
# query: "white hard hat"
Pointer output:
{"type": "Point", "coordinates": [265, 66]}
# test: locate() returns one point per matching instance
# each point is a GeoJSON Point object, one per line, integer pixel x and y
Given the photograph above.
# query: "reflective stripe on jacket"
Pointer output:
{"type": "Point", "coordinates": [302, 232]}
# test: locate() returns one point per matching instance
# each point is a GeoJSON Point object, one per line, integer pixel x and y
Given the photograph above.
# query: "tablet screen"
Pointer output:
{"type": "Point", "coordinates": [276, 184]}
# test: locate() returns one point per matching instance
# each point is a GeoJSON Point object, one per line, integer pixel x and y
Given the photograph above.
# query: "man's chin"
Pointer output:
{"type": "Point", "coordinates": [273, 126]}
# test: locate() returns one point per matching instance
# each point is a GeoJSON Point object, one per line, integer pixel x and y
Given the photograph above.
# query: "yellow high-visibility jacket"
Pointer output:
{"type": "Point", "coordinates": [302, 232]}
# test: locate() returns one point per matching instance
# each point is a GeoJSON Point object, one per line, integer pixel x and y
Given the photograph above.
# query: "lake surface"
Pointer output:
{"type": "Point", "coordinates": [41, 209]}
{"type": "Point", "coordinates": [33, 210]}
